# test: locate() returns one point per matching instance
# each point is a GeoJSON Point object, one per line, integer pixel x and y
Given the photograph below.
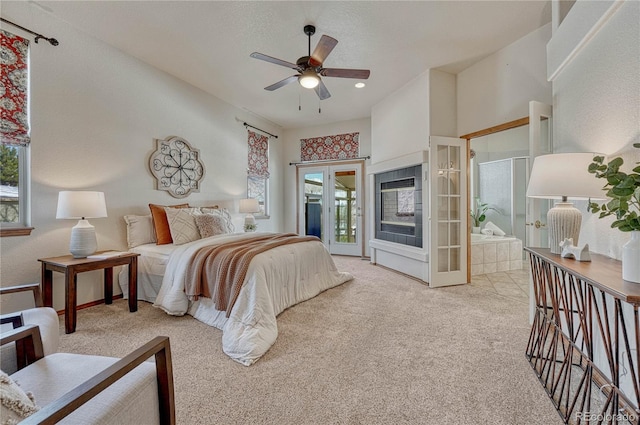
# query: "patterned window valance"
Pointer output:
{"type": "Point", "coordinates": [258, 161]}
{"type": "Point", "coordinates": [14, 89]}
{"type": "Point", "coordinates": [340, 146]}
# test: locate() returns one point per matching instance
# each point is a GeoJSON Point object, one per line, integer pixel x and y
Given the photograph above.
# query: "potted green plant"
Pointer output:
{"type": "Point", "coordinates": [478, 214]}
{"type": "Point", "coordinates": [623, 191]}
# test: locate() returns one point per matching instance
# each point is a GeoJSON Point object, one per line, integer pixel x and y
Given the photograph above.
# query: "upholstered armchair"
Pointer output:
{"type": "Point", "coordinates": [11, 355]}
{"type": "Point", "coordinates": [52, 388]}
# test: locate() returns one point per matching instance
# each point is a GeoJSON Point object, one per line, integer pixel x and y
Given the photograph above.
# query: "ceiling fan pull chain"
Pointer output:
{"type": "Point", "coordinates": [319, 107]}
{"type": "Point", "coordinates": [299, 105]}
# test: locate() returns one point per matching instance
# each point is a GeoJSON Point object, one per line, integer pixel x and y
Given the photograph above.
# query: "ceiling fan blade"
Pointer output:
{"type": "Point", "coordinates": [324, 47]}
{"type": "Point", "coordinates": [361, 74]}
{"type": "Point", "coordinates": [321, 91]}
{"type": "Point", "coordinates": [280, 62]}
{"type": "Point", "coordinates": [281, 83]}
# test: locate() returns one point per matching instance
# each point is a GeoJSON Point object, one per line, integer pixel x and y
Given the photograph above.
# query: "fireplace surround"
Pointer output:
{"type": "Point", "coordinates": [398, 206]}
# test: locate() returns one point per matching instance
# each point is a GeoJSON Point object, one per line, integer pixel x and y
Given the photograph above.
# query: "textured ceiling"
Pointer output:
{"type": "Point", "coordinates": [207, 43]}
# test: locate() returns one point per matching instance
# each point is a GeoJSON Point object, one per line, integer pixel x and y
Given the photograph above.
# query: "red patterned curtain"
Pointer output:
{"type": "Point", "coordinates": [258, 155]}
{"type": "Point", "coordinates": [340, 146]}
{"type": "Point", "coordinates": [14, 89]}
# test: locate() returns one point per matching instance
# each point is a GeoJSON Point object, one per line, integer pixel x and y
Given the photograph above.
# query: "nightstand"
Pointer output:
{"type": "Point", "coordinates": [72, 266]}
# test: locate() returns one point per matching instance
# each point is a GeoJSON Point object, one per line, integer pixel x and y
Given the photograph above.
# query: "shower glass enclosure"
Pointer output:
{"type": "Point", "coordinates": [502, 185]}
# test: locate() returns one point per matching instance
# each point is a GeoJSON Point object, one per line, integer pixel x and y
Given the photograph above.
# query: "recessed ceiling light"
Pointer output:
{"type": "Point", "coordinates": [359, 85]}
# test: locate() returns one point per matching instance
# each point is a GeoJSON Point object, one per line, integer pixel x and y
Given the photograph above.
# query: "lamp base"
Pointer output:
{"type": "Point", "coordinates": [250, 223]}
{"type": "Point", "coordinates": [83, 239]}
{"type": "Point", "coordinates": [563, 221]}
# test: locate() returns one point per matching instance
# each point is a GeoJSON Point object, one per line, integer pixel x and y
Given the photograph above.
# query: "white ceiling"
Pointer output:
{"type": "Point", "coordinates": [207, 44]}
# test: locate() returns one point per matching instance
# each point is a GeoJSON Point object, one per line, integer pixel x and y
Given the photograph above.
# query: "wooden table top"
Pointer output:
{"type": "Point", "coordinates": [602, 272]}
{"type": "Point", "coordinates": [68, 260]}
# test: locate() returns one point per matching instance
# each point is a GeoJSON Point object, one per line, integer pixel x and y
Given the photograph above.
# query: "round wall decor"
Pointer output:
{"type": "Point", "coordinates": [176, 166]}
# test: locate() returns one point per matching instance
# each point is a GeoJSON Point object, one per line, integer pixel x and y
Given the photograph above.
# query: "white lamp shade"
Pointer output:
{"type": "Point", "coordinates": [564, 174]}
{"type": "Point", "coordinates": [248, 206]}
{"type": "Point", "coordinates": [81, 204]}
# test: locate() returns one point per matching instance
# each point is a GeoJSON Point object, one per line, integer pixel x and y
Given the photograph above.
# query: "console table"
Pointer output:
{"type": "Point", "coordinates": [584, 344]}
{"type": "Point", "coordinates": [72, 266]}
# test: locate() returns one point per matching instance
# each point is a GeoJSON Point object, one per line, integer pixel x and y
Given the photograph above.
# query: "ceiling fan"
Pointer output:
{"type": "Point", "coordinates": [310, 67]}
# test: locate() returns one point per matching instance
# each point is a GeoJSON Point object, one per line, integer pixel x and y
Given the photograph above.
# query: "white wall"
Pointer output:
{"type": "Point", "coordinates": [442, 103]}
{"type": "Point", "coordinates": [597, 95]}
{"type": "Point", "coordinates": [400, 122]}
{"type": "Point", "coordinates": [498, 88]}
{"type": "Point", "coordinates": [95, 112]}
{"type": "Point", "coordinates": [291, 153]}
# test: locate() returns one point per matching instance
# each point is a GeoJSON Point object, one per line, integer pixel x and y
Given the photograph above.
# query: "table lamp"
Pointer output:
{"type": "Point", "coordinates": [249, 206]}
{"type": "Point", "coordinates": [563, 176]}
{"type": "Point", "coordinates": [82, 205]}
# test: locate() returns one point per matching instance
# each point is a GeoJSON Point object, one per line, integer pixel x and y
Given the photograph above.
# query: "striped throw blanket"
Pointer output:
{"type": "Point", "coordinates": [218, 271]}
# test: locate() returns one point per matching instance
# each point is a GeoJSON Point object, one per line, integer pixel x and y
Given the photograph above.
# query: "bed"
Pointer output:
{"type": "Point", "coordinates": [275, 280]}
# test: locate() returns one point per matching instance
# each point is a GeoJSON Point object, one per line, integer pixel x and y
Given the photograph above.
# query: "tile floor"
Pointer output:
{"type": "Point", "coordinates": [513, 284]}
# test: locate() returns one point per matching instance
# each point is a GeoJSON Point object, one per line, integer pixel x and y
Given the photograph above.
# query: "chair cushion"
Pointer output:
{"type": "Point", "coordinates": [44, 317]}
{"type": "Point", "coordinates": [15, 404]}
{"type": "Point", "coordinates": [131, 400]}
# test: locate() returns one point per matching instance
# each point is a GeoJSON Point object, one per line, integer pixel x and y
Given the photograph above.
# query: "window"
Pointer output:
{"type": "Point", "coordinates": [258, 188]}
{"type": "Point", "coordinates": [258, 171]}
{"type": "Point", "coordinates": [14, 135]}
{"type": "Point", "coordinates": [14, 189]}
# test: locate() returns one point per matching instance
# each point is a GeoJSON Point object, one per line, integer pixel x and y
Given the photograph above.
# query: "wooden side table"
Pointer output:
{"type": "Point", "coordinates": [72, 266]}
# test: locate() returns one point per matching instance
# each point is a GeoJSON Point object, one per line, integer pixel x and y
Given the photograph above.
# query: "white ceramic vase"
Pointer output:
{"type": "Point", "coordinates": [475, 229]}
{"type": "Point", "coordinates": [631, 258]}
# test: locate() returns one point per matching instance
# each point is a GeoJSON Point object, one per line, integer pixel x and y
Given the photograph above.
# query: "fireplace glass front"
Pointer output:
{"type": "Point", "coordinates": [399, 206]}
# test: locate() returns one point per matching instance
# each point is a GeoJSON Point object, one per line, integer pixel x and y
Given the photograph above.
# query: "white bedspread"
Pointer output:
{"type": "Point", "coordinates": [276, 279]}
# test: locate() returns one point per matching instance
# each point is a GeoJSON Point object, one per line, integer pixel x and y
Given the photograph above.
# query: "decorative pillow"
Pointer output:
{"type": "Point", "coordinates": [139, 230]}
{"type": "Point", "coordinates": [210, 225]}
{"type": "Point", "coordinates": [160, 223]}
{"type": "Point", "coordinates": [15, 403]}
{"type": "Point", "coordinates": [182, 224]}
{"type": "Point", "coordinates": [221, 212]}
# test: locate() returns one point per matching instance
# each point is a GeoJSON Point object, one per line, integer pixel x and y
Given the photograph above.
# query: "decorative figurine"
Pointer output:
{"type": "Point", "coordinates": [571, 251]}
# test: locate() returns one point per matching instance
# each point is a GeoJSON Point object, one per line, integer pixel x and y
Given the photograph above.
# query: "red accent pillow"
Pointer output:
{"type": "Point", "coordinates": [161, 224]}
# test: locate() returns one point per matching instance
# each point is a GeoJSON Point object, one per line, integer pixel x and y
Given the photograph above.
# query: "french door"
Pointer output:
{"type": "Point", "coordinates": [330, 206]}
{"type": "Point", "coordinates": [448, 215]}
{"type": "Point", "coordinates": [540, 143]}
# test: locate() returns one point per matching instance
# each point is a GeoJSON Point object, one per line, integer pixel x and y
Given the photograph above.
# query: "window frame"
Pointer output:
{"type": "Point", "coordinates": [23, 226]}
{"type": "Point", "coordinates": [250, 194]}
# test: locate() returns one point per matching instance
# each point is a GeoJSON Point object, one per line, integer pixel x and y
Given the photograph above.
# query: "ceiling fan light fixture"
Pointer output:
{"type": "Point", "coordinates": [309, 79]}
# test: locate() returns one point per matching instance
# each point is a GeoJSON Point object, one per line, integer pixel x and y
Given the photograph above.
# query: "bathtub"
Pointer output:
{"type": "Point", "coordinates": [490, 254]}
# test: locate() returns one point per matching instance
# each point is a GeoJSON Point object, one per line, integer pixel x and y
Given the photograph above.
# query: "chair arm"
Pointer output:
{"type": "Point", "coordinates": [29, 337]}
{"type": "Point", "coordinates": [65, 405]}
{"type": "Point", "coordinates": [34, 287]}
{"type": "Point", "coordinates": [15, 319]}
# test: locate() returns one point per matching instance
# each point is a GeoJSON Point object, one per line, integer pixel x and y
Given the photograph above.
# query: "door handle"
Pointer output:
{"type": "Point", "coordinates": [537, 224]}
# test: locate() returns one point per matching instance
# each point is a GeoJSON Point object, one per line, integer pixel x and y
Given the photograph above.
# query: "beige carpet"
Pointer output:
{"type": "Point", "coordinates": [381, 349]}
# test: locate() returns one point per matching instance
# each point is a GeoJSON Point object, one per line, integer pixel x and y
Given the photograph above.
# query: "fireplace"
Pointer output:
{"type": "Point", "coordinates": [399, 206]}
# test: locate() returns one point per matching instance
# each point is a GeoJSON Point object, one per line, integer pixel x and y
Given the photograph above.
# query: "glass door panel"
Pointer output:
{"type": "Point", "coordinates": [346, 215]}
{"type": "Point", "coordinates": [312, 202]}
{"type": "Point", "coordinates": [449, 219]}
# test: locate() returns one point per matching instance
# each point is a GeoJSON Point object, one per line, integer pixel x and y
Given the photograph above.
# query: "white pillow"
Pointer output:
{"type": "Point", "coordinates": [210, 225]}
{"type": "Point", "coordinates": [182, 225]}
{"type": "Point", "coordinates": [140, 230]}
{"type": "Point", "coordinates": [15, 403]}
{"type": "Point", "coordinates": [224, 213]}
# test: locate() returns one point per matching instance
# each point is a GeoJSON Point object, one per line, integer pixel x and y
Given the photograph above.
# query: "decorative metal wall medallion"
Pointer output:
{"type": "Point", "coordinates": [176, 166]}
